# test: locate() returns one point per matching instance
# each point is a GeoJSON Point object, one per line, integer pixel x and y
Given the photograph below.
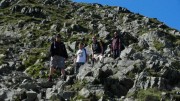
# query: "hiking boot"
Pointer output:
{"type": "Point", "coordinates": [50, 78]}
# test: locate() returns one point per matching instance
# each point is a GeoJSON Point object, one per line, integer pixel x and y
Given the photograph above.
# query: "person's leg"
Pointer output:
{"type": "Point", "coordinates": [80, 64]}
{"type": "Point", "coordinates": [63, 72]}
{"type": "Point", "coordinates": [100, 58]}
{"type": "Point", "coordinates": [118, 53]}
{"type": "Point", "coordinates": [51, 71]}
{"type": "Point", "coordinates": [53, 63]}
{"type": "Point", "coordinates": [62, 66]}
{"type": "Point", "coordinates": [76, 68]}
{"type": "Point", "coordinates": [94, 59]}
{"type": "Point", "coordinates": [114, 54]}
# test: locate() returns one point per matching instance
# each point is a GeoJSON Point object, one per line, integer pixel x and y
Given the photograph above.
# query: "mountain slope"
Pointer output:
{"type": "Point", "coordinates": [148, 67]}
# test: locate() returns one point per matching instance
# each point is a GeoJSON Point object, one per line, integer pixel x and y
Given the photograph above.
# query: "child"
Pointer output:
{"type": "Point", "coordinates": [81, 57]}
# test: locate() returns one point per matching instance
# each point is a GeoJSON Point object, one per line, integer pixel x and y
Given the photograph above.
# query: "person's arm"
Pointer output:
{"type": "Point", "coordinates": [75, 58]}
{"type": "Point", "coordinates": [65, 52]}
{"type": "Point", "coordinates": [87, 55]}
{"type": "Point", "coordinates": [101, 47]}
{"type": "Point", "coordinates": [87, 58]}
{"type": "Point", "coordinates": [92, 52]}
{"type": "Point", "coordinates": [51, 50]}
{"type": "Point", "coordinates": [119, 44]}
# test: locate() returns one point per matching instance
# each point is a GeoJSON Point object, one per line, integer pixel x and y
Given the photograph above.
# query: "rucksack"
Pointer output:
{"type": "Point", "coordinates": [86, 54]}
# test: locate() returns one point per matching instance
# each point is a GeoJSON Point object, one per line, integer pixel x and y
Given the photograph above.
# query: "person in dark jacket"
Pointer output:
{"type": "Point", "coordinates": [58, 57]}
{"type": "Point", "coordinates": [116, 46]}
{"type": "Point", "coordinates": [97, 50]}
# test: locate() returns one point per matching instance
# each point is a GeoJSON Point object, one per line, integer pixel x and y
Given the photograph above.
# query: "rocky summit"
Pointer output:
{"type": "Point", "coordinates": [148, 68]}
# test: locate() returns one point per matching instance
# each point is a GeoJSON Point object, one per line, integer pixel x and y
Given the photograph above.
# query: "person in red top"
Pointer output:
{"type": "Point", "coordinates": [116, 46]}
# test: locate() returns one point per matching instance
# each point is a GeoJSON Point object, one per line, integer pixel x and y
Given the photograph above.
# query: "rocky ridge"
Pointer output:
{"type": "Point", "coordinates": [148, 68]}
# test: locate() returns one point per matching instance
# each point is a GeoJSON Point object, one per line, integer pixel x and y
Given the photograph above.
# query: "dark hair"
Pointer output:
{"type": "Point", "coordinates": [58, 36]}
{"type": "Point", "coordinates": [81, 43]}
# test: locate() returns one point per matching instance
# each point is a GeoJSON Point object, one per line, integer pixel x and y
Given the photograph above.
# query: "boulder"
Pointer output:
{"type": "Point", "coordinates": [123, 84]}
{"type": "Point", "coordinates": [84, 92]}
{"type": "Point", "coordinates": [31, 95]}
{"type": "Point", "coordinates": [4, 3]}
{"type": "Point", "coordinates": [29, 85]}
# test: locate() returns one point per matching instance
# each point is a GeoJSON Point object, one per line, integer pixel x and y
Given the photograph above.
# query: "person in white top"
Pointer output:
{"type": "Point", "coordinates": [81, 57]}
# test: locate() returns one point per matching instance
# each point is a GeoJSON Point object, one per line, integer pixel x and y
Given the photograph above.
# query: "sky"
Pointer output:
{"type": "Point", "coordinates": [167, 11]}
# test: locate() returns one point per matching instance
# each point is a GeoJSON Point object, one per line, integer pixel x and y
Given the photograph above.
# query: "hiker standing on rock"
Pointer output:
{"type": "Point", "coordinates": [81, 58]}
{"type": "Point", "coordinates": [58, 57]}
{"type": "Point", "coordinates": [116, 46]}
{"type": "Point", "coordinates": [97, 50]}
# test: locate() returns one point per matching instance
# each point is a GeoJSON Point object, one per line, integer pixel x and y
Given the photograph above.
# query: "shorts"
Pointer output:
{"type": "Point", "coordinates": [57, 62]}
{"type": "Point", "coordinates": [98, 57]}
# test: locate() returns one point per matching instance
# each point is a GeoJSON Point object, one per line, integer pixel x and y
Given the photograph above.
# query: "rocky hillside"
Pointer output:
{"type": "Point", "coordinates": [147, 70]}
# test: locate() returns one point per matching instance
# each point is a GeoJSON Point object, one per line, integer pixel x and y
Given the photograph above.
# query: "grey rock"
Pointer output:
{"type": "Point", "coordinates": [108, 60]}
{"type": "Point", "coordinates": [84, 70]}
{"type": "Point", "coordinates": [142, 43]}
{"type": "Point", "coordinates": [6, 94]}
{"type": "Point", "coordinates": [68, 95]}
{"type": "Point", "coordinates": [97, 72]}
{"type": "Point", "coordinates": [123, 84]}
{"type": "Point", "coordinates": [4, 3]}
{"type": "Point", "coordinates": [103, 33]}
{"type": "Point", "coordinates": [44, 83]}
{"type": "Point", "coordinates": [2, 95]}
{"type": "Point", "coordinates": [127, 53]}
{"type": "Point", "coordinates": [108, 70]}
{"type": "Point", "coordinates": [98, 64]}
{"type": "Point", "coordinates": [84, 92]}
{"type": "Point", "coordinates": [55, 27]}
{"type": "Point", "coordinates": [29, 85]}
{"type": "Point", "coordinates": [50, 93]}
{"type": "Point", "coordinates": [78, 28]}
{"type": "Point", "coordinates": [4, 68]}
{"type": "Point", "coordinates": [60, 84]}
{"type": "Point", "coordinates": [72, 46]}
{"type": "Point", "coordinates": [171, 75]}
{"type": "Point", "coordinates": [124, 63]}
{"type": "Point", "coordinates": [90, 79]}
{"type": "Point", "coordinates": [98, 90]}
{"type": "Point", "coordinates": [137, 56]}
{"type": "Point", "coordinates": [70, 79]}
{"type": "Point", "coordinates": [31, 95]}
{"type": "Point", "coordinates": [33, 11]}
{"type": "Point", "coordinates": [11, 64]}
{"type": "Point", "coordinates": [169, 52]}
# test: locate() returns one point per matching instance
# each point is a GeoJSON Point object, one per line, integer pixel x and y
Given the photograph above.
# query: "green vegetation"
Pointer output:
{"type": "Point", "coordinates": [154, 20]}
{"type": "Point", "coordinates": [1, 61]}
{"type": "Point", "coordinates": [137, 47]}
{"type": "Point", "coordinates": [34, 70]}
{"type": "Point", "coordinates": [142, 30]}
{"type": "Point", "coordinates": [79, 85]}
{"type": "Point", "coordinates": [176, 65]}
{"type": "Point", "coordinates": [158, 45]}
{"type": "Point", "coordinates": [31, 58]}
{"type": "Point", "coordinates": [152, 72]}
{"type": "Point", "coordinates": [150, 94]}
{"type": "Point", "coordinates": [177, 42]}
{"type": "Point", "coordinates": [78, 97]}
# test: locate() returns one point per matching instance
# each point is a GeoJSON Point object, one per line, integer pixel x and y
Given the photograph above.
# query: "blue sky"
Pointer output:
{"type": "Point", "coordinates": [167, 11]}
